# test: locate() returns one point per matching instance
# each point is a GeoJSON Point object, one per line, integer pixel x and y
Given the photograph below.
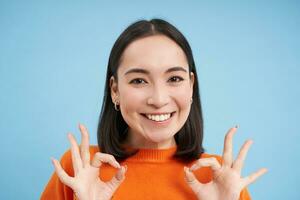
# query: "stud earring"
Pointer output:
{"type": "Point", "coordinates": [191, 100]}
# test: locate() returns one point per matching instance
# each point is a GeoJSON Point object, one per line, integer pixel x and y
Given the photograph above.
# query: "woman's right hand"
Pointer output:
{"type": "Point", "coordinates": [86, 183]}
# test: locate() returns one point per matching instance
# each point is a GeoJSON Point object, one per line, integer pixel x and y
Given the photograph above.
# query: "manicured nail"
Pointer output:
{"type": "Point", "coordinates": [119, 175]}
{"type": "Point", "coordinates": [186, 169]}
{"type": "Point", "coordinates": [81, 126]}
{"type": "Point", "coordinates": [52, 160]}
{"type": "Point", "coordinates": [192, 168]}
{"type": "Point", "coordinates": [122, 170]}
{"type": "Point", "coordinates": [265, 170]}
{"type": "Point", "coordinates": [117, 164]}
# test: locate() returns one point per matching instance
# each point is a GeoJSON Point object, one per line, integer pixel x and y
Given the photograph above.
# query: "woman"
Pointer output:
{"type": "Point", "coordinates": [150, 130]}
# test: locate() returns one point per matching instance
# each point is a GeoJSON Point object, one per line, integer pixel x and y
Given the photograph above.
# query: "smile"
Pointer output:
{"type": "Point", "coordinates": [159, 117]}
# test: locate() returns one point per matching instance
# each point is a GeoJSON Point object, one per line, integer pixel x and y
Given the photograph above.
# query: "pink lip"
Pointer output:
{"type": "Point", "coordinates": [159, 113]}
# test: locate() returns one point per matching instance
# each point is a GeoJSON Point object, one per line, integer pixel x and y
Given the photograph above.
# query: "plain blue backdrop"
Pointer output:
{"type": "Point", "coordinates": [53, 58]}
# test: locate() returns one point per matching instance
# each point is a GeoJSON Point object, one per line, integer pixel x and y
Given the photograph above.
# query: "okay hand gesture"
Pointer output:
{"type": "Point", "coordinates": [227, 182]}
{"type": "Point", "coordinates": [86, 183]}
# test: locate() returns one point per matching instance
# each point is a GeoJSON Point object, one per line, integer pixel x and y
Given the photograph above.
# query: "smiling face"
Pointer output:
{"type": "Point", "coordinates": [154, 89]}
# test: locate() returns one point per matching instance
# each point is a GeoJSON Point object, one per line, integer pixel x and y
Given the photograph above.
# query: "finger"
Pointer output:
{"type": "Point", "coordinates": [253, 177]}
{"type": "Point", "coordinates": [62, 175]}
{"type": "Point", "coordinates": [191, 180]}
{"type": "Point", "coordinates": [239, 162]}
{"type": "Point", "coordinates": [76, 159]}
{"type": "Point", "coordinates": [106, 158]}
{"type": "Point", "coordinates": [84, 146]}
{"type": "Point", "coordinates": [227, 152]}
{"type": "Point", "coordinates": [206, 162]}
{"type": "Point", "coordinates": [119, 177]}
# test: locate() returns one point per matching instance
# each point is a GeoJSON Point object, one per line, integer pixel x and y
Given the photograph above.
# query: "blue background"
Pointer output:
{"type": "Point", "coordinates": [53, 57]}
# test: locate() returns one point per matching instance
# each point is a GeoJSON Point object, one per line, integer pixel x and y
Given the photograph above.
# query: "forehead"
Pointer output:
{"type": "Point", "coordinates": [154, 53]}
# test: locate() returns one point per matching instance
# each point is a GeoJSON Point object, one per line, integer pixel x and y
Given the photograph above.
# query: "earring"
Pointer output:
{"type": "Point", "coordinates": [116, 105]}
{"type": "Point", "coordinates": [191, 100]}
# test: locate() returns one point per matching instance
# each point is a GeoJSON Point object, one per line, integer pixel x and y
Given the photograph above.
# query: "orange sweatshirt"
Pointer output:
{"type": "Point", "coordinates": [151, 174]}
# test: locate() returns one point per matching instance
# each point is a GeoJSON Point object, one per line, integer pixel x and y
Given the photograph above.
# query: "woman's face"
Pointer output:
{"type": "Point", "coordinates": [154, 90]}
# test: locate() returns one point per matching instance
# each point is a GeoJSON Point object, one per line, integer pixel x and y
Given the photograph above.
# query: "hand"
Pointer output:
{"type": "Point", "coordinates": [86, 183]}
{"type": "Point", "coordinates": [227, 182]}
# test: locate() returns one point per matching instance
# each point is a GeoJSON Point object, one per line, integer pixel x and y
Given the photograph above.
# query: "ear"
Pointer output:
{"type": "Point", "coordinates": [192, 81]}
{"type": "Point", "coordinates": [113, 88]}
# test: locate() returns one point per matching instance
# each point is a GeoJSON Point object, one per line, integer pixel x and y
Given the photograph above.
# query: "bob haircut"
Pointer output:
{"type": "Point", "coordinates": [112, 129]}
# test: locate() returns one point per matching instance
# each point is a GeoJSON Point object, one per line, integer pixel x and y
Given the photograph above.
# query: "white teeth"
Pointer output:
{"type": "Point", "coordinates": [158, 118]}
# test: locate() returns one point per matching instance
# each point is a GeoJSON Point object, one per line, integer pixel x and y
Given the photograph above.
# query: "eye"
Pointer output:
{"type": "Point", "coordinates": [176, 79]}
{"type": "Point", "coordinates": [137, 81]}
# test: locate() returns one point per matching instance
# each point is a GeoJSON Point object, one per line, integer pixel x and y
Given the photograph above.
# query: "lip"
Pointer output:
{"type": "Point", "coordinates": [159, 113]}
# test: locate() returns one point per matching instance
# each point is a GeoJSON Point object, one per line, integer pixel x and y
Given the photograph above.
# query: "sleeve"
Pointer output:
{"type": "Point", "coordinates": [245, 195]}
{"type": "Point", "coordinates": [55, 189]}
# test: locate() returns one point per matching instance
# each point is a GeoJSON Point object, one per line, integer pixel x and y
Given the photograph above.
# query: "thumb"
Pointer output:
{"type": "Point", "coordinates": [116, 181]}
{"type": "Point", "coordinates": [191, 180]}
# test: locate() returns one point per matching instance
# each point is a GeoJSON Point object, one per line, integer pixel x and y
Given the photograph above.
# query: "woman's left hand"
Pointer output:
{"type": "Point", "coordinates": [227, 182]}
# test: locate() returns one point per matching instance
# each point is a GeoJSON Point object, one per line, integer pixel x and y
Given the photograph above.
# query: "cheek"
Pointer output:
{"type": "Point", "coordinates": [183, 97]}
{"type": "Point", "coordinates": [131, 103]}
{"type": "Point", "coordinates": [131, 99]}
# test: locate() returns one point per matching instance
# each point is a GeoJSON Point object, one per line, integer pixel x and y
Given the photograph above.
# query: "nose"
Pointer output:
{"type": "Point", "coordinates": [159, 97]}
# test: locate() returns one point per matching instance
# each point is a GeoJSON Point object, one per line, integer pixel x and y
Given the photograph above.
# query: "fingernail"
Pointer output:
{"type": "Point", "coordinates": [187, 170]}
{"type": "Point", "coordinates": [117, 164]}
{"type": "Point", "coordinates": [122, 170]}
{"type": "Point", "coordinates": [119, 175]}
{"type": "Point", "coordinates": [81, 126]}
{"type": "Point", "coordinates": [192, 168]}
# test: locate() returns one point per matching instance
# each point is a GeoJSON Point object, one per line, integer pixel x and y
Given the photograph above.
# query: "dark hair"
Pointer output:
{"type": "Point", "coordinates": [112, 129]}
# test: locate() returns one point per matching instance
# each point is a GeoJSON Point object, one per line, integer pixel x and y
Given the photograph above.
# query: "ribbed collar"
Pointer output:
{"type": "Point", "coordinates": [153, 155]}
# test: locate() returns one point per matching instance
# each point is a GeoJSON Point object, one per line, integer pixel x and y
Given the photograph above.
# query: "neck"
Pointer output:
{"type": "Point", "coordinates": [138, 142]}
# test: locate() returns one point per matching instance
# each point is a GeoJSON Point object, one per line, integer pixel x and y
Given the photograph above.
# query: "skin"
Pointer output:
{"type": "Point", "coordinates": [152, 92]}
{"type": "Point", "coordinates": [227, 182]}
{"type": "Point", "coordinates": [86, 183]}
{"type": "Point", "coordinates": [157, 91]}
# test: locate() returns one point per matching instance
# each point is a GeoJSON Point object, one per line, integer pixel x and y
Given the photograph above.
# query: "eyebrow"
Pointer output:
{"type": "Point", "coordinates": [144, 71]}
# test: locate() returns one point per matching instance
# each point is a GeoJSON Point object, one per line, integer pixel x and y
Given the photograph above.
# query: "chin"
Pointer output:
{"type": "Point", "coordinates": [160, 138]}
